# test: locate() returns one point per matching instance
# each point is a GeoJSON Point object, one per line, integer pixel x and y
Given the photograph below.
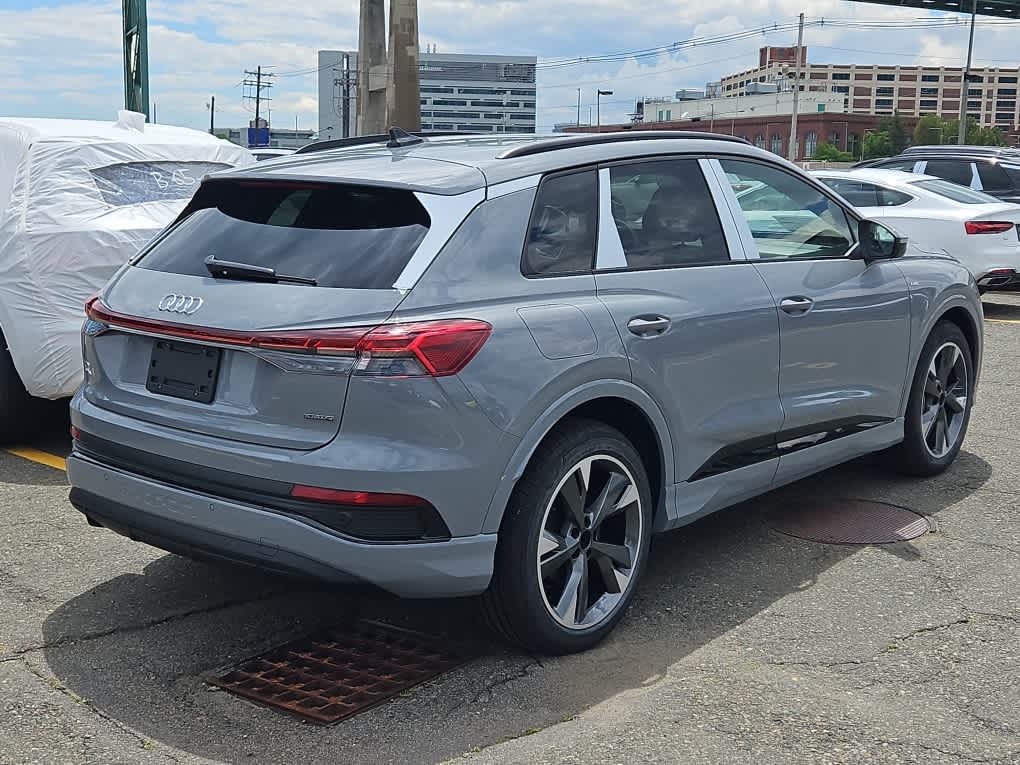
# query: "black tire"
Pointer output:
{"type": "Point", "coordinates": [516, 601]}
{"type": "Point", "coordinates": [17, 409]}
{"type": "Point", "coordinates": [914, 456]}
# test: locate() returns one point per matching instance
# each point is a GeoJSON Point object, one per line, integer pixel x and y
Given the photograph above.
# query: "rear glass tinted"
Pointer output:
{"type": "Point", "coordinates": [341, 236]}
{"type": "Point", "coordinates": [561, 234]}
{"type": "Point", "coordinates": [993, 177]}
{"type": "Point", "coordinates": [956, 193]}
{"type": "Point", "coordinates": [957, 171]}
{"type": "Point", "coordinates": [133, 183]}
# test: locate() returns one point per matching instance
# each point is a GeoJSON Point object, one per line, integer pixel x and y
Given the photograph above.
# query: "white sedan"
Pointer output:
{"type": "Point", "coordinates": [979, 230]}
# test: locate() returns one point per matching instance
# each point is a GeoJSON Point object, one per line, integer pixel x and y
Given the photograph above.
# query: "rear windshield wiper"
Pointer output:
{"type": "Point", "coordinates": [225, 269]}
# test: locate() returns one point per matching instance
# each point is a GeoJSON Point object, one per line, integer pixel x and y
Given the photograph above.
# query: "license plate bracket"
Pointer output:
{"type": "Point", "coordinates": [184, 370]}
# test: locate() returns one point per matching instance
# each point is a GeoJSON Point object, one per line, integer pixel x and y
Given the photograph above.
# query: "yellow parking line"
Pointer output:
{"type": "Point", "coordinates": [43, 458]}
{"type": "Point", "coordinates": [1004, 321]}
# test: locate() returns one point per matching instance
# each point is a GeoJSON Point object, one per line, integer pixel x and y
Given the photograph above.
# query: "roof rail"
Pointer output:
{"type": "Point", "coordinates": [955, 149]}
{"type": "Point", "coordinates": [594, 139]}
{"type": "Point", "coordinates": [366, 140]}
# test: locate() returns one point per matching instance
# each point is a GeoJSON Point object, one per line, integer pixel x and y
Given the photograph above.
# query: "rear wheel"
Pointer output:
{"type": "Point", "coordinates": [573, 541]}
{"type": "Point", "coordinates": [941, 397]}
{"type": "Point", "coordinates": [17, 408]}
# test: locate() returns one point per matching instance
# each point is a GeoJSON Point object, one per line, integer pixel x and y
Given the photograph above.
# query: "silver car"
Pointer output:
{"type": "Point", "coordinates": [497, 365]}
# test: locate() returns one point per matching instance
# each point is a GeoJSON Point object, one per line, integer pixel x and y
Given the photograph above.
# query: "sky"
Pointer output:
{"type": "Point", "coordinates": [62, 58]}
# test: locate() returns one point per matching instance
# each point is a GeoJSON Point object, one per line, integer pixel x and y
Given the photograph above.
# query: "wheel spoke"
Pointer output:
{"type": "Point", "coordinates": [946, 361]}
{"type": "Point", "coordinates": [567, 606]}
{"type": "Point", "coordinates": [573, 492]}
{"type": "Point", "coordinates": [928, 419]}
{"type": "Point", "coordinates": [931, 386]}
{"type": "Point", "coordinates": [956, 404]}
{"type": "Point", "coordinates": [607, 503]}
{"type": "Point", "coordinates": [558, 555]}
{"type": "Point", "coordinates": [940, 432]}
{"type": "Point", "coordinates": [614, 580]}
{"type": "Point", "coordinates": [618, 554]}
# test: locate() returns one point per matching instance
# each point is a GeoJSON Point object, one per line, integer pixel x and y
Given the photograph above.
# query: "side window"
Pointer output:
{"type": "Point", "coordinates": [905, 165]}
{"type": "Point", "coordinates": [952, 170]}
{"type": "Point", "coordinates": [562, 230]}
{"type": "Point", "coordinates": [804, 224]}
{"type": "Point", "coordinates": [993, 177]}
{"type": "Point", "coordinates": [1013, 173]}
{"type": "Point", "coordinates": [857, 193]}
{"type": "Point", "coordinates": [665, 215]}
{"type": "Point", "coordinates": [890, 198]}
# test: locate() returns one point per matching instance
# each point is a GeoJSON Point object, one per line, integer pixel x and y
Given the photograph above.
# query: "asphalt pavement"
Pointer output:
{"type": "Point", "coordinates": [742, 646]}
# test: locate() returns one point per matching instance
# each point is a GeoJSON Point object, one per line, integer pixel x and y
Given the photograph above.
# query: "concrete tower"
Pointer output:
{"type": "Point", "coordinates": [388, 82]}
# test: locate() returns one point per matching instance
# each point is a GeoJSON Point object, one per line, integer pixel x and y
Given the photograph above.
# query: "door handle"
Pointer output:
{"type": "Point", "coordinates": [648, 325]}
{"type": "Point", "coordinates": [796, 306]}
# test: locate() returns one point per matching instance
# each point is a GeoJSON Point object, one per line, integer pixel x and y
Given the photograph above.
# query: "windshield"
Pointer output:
{"type": "Point", "coordinates": [132, 183]}
{"type": "Point", "coordinates": [956, 193]}
{"type": "Point", "coordinates": [340, 236]}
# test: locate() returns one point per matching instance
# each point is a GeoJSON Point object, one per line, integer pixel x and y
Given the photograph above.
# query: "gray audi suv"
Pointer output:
{"type": "Point", "coordinates": [497, 365]}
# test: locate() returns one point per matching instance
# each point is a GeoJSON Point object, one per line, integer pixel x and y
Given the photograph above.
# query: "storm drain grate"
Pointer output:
{"type": "Point", "coordinates": [849, 522]}
{"type": "Point", "coordinates": [343, 671]}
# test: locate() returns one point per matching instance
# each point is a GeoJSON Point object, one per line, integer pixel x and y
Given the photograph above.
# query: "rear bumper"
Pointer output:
{"type": "Point", "coordinates": [200, 525]}
{"type": "Point", "coordinates": [1000, 278]}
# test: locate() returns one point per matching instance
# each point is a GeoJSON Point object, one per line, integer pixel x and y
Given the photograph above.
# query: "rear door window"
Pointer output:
{"type": "Point", "coordinates": [857, 193]}
{"type": "Point", "coordinates": [132, 183]}
{"type": "Point", "coordinates": [341, 236]}
{"type": "Point", "coordinates": [952, 170]}
{"type": "Point", "coordinates": [563, 226]}
{"type": "Point", "coordinates": [993, 178]}
{"type": "Point", "coordinates": [665, 215]}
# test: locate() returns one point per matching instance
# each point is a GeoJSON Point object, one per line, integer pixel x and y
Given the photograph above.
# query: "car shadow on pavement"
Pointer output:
{"type": "Point", "coordinates": [1001, 310]}
{"type": "Point", "coordinates": [146, 671]}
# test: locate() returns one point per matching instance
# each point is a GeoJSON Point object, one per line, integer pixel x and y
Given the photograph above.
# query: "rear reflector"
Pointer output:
{"type": "Point", "coordinates": [987, 226]}
{"type": "Point", "coordinates": [436, 348]}
{"type": "Point", "coordinates": [356, 498]}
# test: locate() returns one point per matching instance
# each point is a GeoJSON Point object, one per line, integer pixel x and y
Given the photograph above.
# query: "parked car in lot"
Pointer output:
{"type": "Point", "coordinates": [979, 230]}
{"type": "Point", "coordinates": [478, 365]}
{"type": "Point", "coordinates": [77, 200]}
{"type": "Point", "coordinates": [994, 170]}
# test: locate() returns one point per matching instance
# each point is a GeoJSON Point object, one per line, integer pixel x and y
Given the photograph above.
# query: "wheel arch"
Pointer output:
{"type": "Point", "coordinates": [617, 403]}
{"type": "Point", "coordinates": [962, 318]}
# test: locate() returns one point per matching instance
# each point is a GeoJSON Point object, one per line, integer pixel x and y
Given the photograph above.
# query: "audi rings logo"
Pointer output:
{"type": "Point", "coordinates": [186, 304]}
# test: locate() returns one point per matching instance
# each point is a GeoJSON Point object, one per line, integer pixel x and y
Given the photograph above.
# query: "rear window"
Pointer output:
{"type": "Point", "coordinates": [956, 192]}
{"type": "Point", "coordinates": [341, 236]}
{"type": "Point", "coordinates": [132, 183]}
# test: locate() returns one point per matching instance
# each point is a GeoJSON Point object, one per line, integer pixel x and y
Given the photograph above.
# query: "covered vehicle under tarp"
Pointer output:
{"type": "Point", "coordinates": [77, 200]}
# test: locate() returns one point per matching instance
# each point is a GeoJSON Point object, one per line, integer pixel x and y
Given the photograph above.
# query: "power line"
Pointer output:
{"type": "Point", "coordinates": [263, 81]}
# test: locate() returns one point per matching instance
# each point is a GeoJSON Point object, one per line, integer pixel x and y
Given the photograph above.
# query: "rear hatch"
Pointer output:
{"type": "Point", "coordinates": [221, 348]}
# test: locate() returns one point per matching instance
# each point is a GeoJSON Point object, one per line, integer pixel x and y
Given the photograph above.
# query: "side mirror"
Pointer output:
{"type": "Point", "coordinates": [877, 242]}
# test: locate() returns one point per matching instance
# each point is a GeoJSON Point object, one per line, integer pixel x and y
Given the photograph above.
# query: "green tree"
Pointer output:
{"type": "Point", "coordinates": [983, 136]}
{"type": "Point", "coordinates": [932, 129]}
{"type": "Point", "coordinates": [826, 152]}
{"type": "Point", "coordinates": [893, 128]}
{"type": "Point", "coordinates": [877, 145]}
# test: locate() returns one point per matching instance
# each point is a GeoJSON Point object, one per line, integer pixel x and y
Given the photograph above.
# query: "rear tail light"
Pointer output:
{"type": "Point", "coordinates": [988, 226]}
{"type": "Point", "coordinates": [436, 348]}
{"type": "Point", "coordinates": [356, 498]}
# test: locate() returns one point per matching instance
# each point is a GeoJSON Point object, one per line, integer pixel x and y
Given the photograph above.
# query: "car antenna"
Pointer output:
{"type": "Point", "coordinates": [400, 138]}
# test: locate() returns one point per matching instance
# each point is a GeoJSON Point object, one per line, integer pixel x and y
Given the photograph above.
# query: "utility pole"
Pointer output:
{"type": "Point", "coordinates": [135, 40]}
{"type": "Point", "coordinates": [256, 86]}
{"type": "Point", "coordinates": [579, 107]}
{"type": "Point", "coordinates": [962, 139]}
{"type": "Point", "coordinates": [212, 115]}
{"type": "Point", "coordinates": [794, 143]}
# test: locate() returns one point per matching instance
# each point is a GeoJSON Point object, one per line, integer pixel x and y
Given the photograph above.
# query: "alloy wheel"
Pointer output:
{"type": "Point", "coordinates": [944, 403]}
{"type": "Point", "coordinates": [590, 541]}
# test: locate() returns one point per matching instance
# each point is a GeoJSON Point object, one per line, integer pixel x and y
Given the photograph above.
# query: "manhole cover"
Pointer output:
{"type": "Point", "coordinates": [342, 671]}
{"type": "Point", "coordinates": [849, 522]}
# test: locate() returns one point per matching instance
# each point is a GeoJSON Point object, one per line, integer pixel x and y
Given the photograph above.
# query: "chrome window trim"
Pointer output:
{"type": "Point", "coordinates": [446, 213]}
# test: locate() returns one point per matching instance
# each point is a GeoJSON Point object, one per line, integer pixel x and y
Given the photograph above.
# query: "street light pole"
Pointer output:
{"type": "Point", "coordinates": [598, 108]}
{"type": "Point", "coordinates": [966, 77]}
{"type": "Point", "coordinates": [794, 143]}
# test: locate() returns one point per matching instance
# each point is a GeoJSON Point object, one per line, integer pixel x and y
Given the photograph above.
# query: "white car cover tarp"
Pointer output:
{"type": "Point", "coordinates": [78, 199]}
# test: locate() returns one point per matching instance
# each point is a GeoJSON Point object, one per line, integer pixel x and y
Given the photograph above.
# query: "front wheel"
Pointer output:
{"type": "Point", "coordinates": [573, 541]}
{"type": "Point", "coordinates": [941, 397]}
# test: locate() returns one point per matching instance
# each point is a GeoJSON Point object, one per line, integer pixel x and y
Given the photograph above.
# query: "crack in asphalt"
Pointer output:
{"type": "Point", "coordinates": [128, 629]}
